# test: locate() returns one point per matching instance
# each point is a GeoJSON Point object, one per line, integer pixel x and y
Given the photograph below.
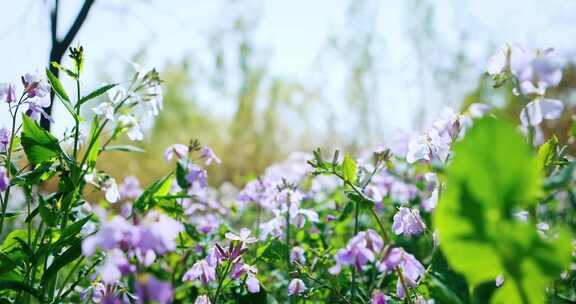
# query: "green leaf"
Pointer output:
{"type": "Point", "coordinates": [71, 254]}
{"type": "Point", "coordinates": [492, 174]}
{"type": "Point", "coordinates": [19, 287]}
{"type": "Point", "coordinates": [124, 148]}
{"type": "Point", "coordinates": [95, 148]}
{"type": "Point", "coordinates": [39, 145]}
{"type": "Point", "coordinates": [181, 176]}
{"type": "Point", "coordinates": [547, 153]}
{"type": "Point", "coordinates": [97, 93]}
{"type": "Point", "coordinates": [158, 189]}
{"type": "Point", "coordinates": [75, 227]}
{"type": "Point", "coordinates": [275, 250]}
{"type": "Point", "coordinates": [46, 212]}
{"type": "Point", "coordinates": [349, 167]}
{"type": "Point", "coordinates": [61, 93]}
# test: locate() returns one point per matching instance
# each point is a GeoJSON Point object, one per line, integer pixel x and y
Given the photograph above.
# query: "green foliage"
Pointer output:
{"type": "Point", "coordinates": [492, 175]}
{"type": "Point", "coordinates": [39, 145]}
{"type": "Point", "coordinates": [61, 93]}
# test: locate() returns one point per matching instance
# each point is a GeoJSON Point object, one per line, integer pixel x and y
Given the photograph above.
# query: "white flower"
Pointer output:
{"type": "Point", "coordinates": [111, 189]}
{"type": "Point", "coordinates": [134, 131]}
{"type": "Point", "coordinates": [244, 236]}
{"type": "Point", "coordinates": [539, 109]}
{"type": "Point", "coordinates": [104, 109]}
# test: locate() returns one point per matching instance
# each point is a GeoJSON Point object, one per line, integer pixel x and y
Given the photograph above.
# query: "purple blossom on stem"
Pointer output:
{"type": "Point", "coordinates": [408, 222]}
{"type": "Point", "coordinates": [410, 269]}
{"type": "Point", "coordinates": [203, 299]}
{"type": "Point", "coordinates": [209, 156]}
{"type": "Point", "coordinates": [153, 290]}
{"type": "Point", "coordinates": [8, 92]}
{"type": "Point", "coordinates": [201, 271]}
{"type": "Point", "coordinates": [130, 188]}
{"type": "Point", "coordinates": [4, 140]}
{"type": "Point", "coordinates": [179, 150]}
{"type": "Point", "coordinates": [198, 175]}
{"type": "Point", "coordinates": [378, 298]}
{"type": "Point", "coordinates": [296, 287]}
{"type": "Point", "coordinates": [4, 180]}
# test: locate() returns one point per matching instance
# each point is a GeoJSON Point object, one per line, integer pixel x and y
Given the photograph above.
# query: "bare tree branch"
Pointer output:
{"type": "Point", "coordinates": [59, 47]}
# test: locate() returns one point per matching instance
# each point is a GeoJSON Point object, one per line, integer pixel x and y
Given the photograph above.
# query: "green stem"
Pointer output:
{"type": "Point", "coordinates": [9, 162]}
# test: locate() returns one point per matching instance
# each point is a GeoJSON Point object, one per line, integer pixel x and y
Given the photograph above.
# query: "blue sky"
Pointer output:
{"type": "Point", "coordinates": [293, 33]}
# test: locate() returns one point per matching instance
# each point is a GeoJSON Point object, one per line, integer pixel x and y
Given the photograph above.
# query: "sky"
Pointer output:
{"type": "Point", "coordinates": [411, 60]}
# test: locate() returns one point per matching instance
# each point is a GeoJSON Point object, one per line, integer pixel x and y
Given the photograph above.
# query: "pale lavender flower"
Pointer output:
{"type": "Point", "coordinates": [203, 299]}
{"type": "Point", "coordinates": [115, 265]}
{"type": "Point", "coordinates": [300, 215]}
{"type": "Point", "coordinates": [499, 280]}
{"type": "Point", "coordinates": [153, 290]}
{"type": "Point", "coordinates": [198, 175]}
{"type": "Point", "coordinates": [378, 298]}
{"type": "Point", "coordinates": [297, 255]}
{"type": "Point", "coordinates": [243, 237]}
{"type": "Point", "coordinates": [115, 233]}
{"type": "Point", "coordinates": [8, 92]}
{"type": "Point", "coordinates": [209, 156]}
{"type": "Point", "coordinates": [429, 146]}
{"type": "Point", "coordinates": [134, 131]}
{"type": "Point", "coordinates": [35, 86]}
{"type": "Point", "coordinates": [408, 222]}
{"type": "Point", "coordinates": [4, 140]}
{"type": "Point", "coordinates": [4, 180]}
{"type": "Point", "coordinates": [296, 287]}
{"type": "Point", "coordinates": [252, 283]}
{"type": "Point", "coordinates": [159, 232]}
{"type": "Point", "coordinates": [201, 271]}
{"type": "Point", "coordinates": [411, 269]}
{"type": "Point", "coordinates": [539, 109]}
{"type": "Point", "coordinates": [360, 250]}
{"type": "Point", "coordinates": [179, 150]}
{"type": "Point", "coordinates": [104, 110]}
{"type": "Point", "coordinates": [36, 108]}
{"type": "Point", "coordinates": [130, 188]}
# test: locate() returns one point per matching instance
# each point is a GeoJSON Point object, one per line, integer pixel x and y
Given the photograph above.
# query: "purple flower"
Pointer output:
{"type": "Point", "coordinates": [203, 299]}
{"type": "Point", "coordinates": [296, 287]}
{"type": "Point", "coordinates": [4, 140]}
{"type": "Point", "coordinates": [378, 298]}
{"type": "Point", "coordinates": [130, 188]}
{"type": "Point", "coordinates": [407, 221]}
{"type": "Point", "coordinates": [179, 150]}
{"type": "Point", "coordinates": [252, 283]}
{"type": "Point", "coordinates": [153, 290]}
{"type": "Point", "coordinates": [201, 271]}
{"type": "Point", "coordinates": [159, 232]}
{"type": "Point", "coordinates": [297, 255]}
{"type": "Point", "coordinates": [209, 156]}
{"type": "Point", "coordinates": [243, 237]}
{"type": "Point", "coordinates": [115, 265]}
{"type": "Point", "coordinates": [360, 250]}
{"type": "Point", "coordinates": [115, 233]}
{"type": "Point", "coordinates": [198, 175]}
{"type": "Point", "coordinates": [8, 92]}
{"type": "Point", "coordinates": [34, 86]}
{"type": "Point", "coordinates": [410, 268]}
{"type": "Point", "coordinates": [36, 108]}
{"type": "Point", "coordinates": [4, 180]}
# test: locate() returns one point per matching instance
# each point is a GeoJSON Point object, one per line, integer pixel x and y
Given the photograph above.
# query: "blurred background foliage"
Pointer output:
{"type": "Point", "coordinates": [387, 65]}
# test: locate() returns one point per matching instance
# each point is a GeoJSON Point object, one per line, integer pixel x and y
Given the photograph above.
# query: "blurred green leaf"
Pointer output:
{"type": "Point", "coordinates": [349, 166]}
{"type": "Point", "coordinates": [492, 174]}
